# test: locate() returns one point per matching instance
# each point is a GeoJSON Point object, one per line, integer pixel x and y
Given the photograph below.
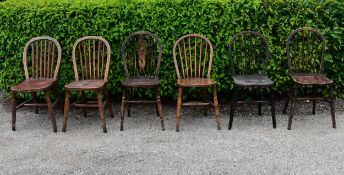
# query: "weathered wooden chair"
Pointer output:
{"type": "Point", "coordinates": [41, 59]}
{"type": "Point", "coordinates": [305, 52]}
{"type": "Point", "coordinates": [193, 69]}
{"type": "Point", "coordinates": [141, 54]}
{"type": "Point", "coordinates": [249, 57]}
{"type": "Point", "coordinates": [91, 60]}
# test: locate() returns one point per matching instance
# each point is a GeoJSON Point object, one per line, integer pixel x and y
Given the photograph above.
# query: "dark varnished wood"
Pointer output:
{"type": "Point", "coordinates": [41, 59]}
{"type": "Point", "coordinates": [249, 58]}
{"type": "Point", "coordinates": [193, 56]}
{"type": "Point", "coordinates": [305, 51]}
{"type": "Point", "coordinates": [141, 55]}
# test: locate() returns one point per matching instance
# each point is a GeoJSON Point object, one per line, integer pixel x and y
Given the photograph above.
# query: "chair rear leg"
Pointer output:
{"type": "Point", "coordinates": [259, 104]}
{"type": "Point", "coordinates": [233, 106]}
{"type": "Point", "coordinates": [205, 99]}
{"type": "Point", "coordinates": [66, 110]}
{"type": "Point", "coordinates": [128, 109]}
{"type": "Point", "coordinates": [216, 108]}
{"type": "Point", "coordinates": [123, 108]}
{"type": "Point", "coordinates": [314, 101]}
{"type": "Point", "coordinates": [101, 110]}
{"type": "Point", "coordinates": [83, 100]}
{"type": "Point", "coordinates": [158, 103]}
{"type": "Point", "coordinates": [272, 103]}
{"type": "Point", "coordinates": [14, 110]}
{"type": "Point", "coordinates": [332, 107]}
{"type": "Point", "coordinates": [287, 100]}
{"type": "Point", "coordinates": [34, 98]}
{"type": "Point", "coordinates": [108, 103]}
{"type": "Point", "coordinates": [179, 107]}
{"type": "Point", "coordinates": [51, 110]}
{"type": "Point", "coordinates": [292, 106]}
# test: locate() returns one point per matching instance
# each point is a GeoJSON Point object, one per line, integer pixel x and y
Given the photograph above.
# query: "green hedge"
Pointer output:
{"type": "Point", "coordinates": [219, 20]}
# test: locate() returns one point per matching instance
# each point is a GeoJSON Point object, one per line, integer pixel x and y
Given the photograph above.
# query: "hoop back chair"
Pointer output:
{"type": "Point", "coordinates": [193, 56]}
{"type": "Point", "coordinates": [91, 61]}
{"type": "Point", "coordinates": [249, 58]}
{"type": "Point", "coordinates": [141, 55]}
{"type": "Point", "coordinates": [41, 59]}
{"type": "Point", "coordinates": [305, 52]}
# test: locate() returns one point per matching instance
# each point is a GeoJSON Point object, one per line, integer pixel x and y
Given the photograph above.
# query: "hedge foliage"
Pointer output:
{"type": "Point", "coordinates": [219, 20]}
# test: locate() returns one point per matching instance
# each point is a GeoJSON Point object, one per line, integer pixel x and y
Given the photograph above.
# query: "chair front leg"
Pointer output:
{"type": "Point", "coordinates": [51, 110]}
{"type": "Point", "coordinates": [332, 107]}
{"type": "Point", "coordinates": [14, 110]}
{"type": "Point", "coordinates": [66, 110]}
{"type": "Point", "coordinates": [108, 103]}
{"type": "Point", "coordinates": [272, 104]}
{"type": "Point", "coordinates": [123, 108]}
{"type": "Point", "coordinates": [233, 106]}
{"type": "Point", "coordinates": [158, 103]}
{"type": "Point", "coordinates": [34, 98]}
{"type": "Point", "coordinates": [101, 110]}
{"type": "Point", "coordinates": [292, 105]}
{"type": "Point", "coordinates": [216, 108]}
{"type": "Point", "coordinates": [179, 107]}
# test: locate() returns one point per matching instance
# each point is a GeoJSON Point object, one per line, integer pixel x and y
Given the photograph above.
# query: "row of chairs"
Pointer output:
{"type": "Point", "coordinates": [193, 57]}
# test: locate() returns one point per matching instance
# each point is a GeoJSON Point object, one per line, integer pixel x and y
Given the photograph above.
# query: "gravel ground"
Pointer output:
{"type": "Point", "coordinates": [251, 147]}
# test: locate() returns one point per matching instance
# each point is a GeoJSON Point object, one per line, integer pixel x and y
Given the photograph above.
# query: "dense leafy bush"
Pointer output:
{"type": "Point", "coordinates": [219, 20]}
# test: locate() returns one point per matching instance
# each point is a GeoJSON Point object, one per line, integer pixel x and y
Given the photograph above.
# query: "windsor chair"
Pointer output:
{"type": "Point", "coordinates": [305, 52]}
{"type": "Point", "coordinates": [249, 57]}
{"type": "Point", "coordinates": [41, 59]}
{"type": "Point", "coordinates": [141, 55]}
{"type": "Point", "coordinates": [193, 56]}
{"type": "Point", "coordinates": [91, 60]}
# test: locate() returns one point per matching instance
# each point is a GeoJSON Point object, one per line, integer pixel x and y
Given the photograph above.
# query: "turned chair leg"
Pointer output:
{"type": "Point", "coordinates": [123, 108]}
{"type": "Point", "coordinates": [34, 98]}
{"type": "Point", "coordinates": [332, 107]}
{"type": "Point", "coordinates": [66, 110]}
{"type": "Point", "coordinates": [314, 101]}
{"type": "Point", "coordinates": [205, 99]}
{"type": "Point", "coordinates": [158, 103]}
{"type": "Point", "coordinates": [179, 107]}
{"type": "Point", "coordinates": [216, 108]}
{"type": "Point", "coordinates": [51, 110]}
{"type": "Point", "coordinates": [272, 103]}
{"type": "Point", "coordinates": [108, 103]}
{"type": "Point", "coordinates": [101, 110]}
{"type": "Point", "coordinates": [14, 110]}
{"type": "Point", "coordinates": [292, 106]}
{"type": "Point", "coordinates": [233, 106]}
{"type": "Point", "coordinates": [83, 100]}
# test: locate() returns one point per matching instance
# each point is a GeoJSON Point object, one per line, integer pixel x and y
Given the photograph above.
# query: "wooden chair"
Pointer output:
{"type": "Point", "coordinates": [305, 52]}
{"type": "Point", "coordinates": [91, 60]}
{"type": "Point", "coordinates": [141, 54]}
{"type": "Point", "coordinates": [193, 56]}
{"type": "Point", "coordinates": [249, 57]}
{"type": "Point", "coordinates": [41, 59]}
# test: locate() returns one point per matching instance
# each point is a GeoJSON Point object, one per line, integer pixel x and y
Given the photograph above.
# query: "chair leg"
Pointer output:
{"type": "Point", "coordinates": [123, 108]}
{"type": "Point", "coordinates": [292, 105]}
{"type": "Point", "coordinates": [233, 106]}
{"type": "Point", "coordinates": [314, 101]}
{"type": "Point", "coordinates": [83, 100]}
{"type": "Point", "coordinates": [216, 108]}
{"type": "Point", "coordinates": [179, 107]}
{"type": "Point", "coordinates": [128, 109]}
{"type": "Point", "coordinates": [158, 103]}
{"type": "Point", "coordinates": [290, 93]}
{"type": "Point", "coordinates": [101, 110]}
{"type": "Point", "coordinates": [157, 110]}
{"type": "Point", "coordinates": [272, 103]}
{"type": "Point", "coordinates": [259, 104]}
{"type": "Point", "coordinates": [51, 110]}
{"type": "Point", "coordinates": [14, 110]}
{"type": "Point", "coordinates": [66, 110]}
{"type": "Point", "coordinates": [204, 96]}
{"type": "Point", "coordinates": [108, 103]}
{"type": "Point", "coordinates": [34, 98]}
{"type": "Point", "coordinates": [332, 107]}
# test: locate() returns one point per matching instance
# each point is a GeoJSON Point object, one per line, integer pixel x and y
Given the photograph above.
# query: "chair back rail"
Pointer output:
{"type": "Point", "coordinates": [42, 58]}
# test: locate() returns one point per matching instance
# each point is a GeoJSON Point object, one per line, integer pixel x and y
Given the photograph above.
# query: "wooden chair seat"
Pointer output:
{"type": "Point", "coordinates": [195, 82]}
{"type": "Point", "coordinates": [141, 81]}
{"type": "Point", "coordinates": [311, 79]}
{"type": "Point", "coordinates": [33, 85]}
{"type": "Point", "coordinates": [252, 80]}
{"type": "Point", "coordinates": [86, 85]}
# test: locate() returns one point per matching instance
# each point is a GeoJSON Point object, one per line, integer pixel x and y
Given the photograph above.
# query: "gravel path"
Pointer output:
{"type": "Point", "coordinates": [251, 147]}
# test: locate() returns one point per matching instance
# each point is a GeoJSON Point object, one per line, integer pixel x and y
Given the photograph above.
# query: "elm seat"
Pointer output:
{"type": "Point", "coordinates": [86, 85]}
{"type": "Point", "coordinates": [195, 82]}
{"type": "Point", "coordinates": [141, 81]}
{"type": "Point", "coordinates": [252, 80]}
{"type": "Point", "coordinates": [33, 85]}
{"type": "Point", "coordinates": [311, 79]}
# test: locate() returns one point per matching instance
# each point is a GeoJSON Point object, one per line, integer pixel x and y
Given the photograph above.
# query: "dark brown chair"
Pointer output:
{"type": "Point", "coordinates": [91, 60]}
{"type": "Point", "coordinates": [193, 56]}
{"type": "Point", "coordinates": [305, 52]}
{"type": "Point", "coordinates": [41, 59]}
{"type": "Point", "coordinates": [249, 57]}
{"type": "Point", "coordinates": [141, 54]}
